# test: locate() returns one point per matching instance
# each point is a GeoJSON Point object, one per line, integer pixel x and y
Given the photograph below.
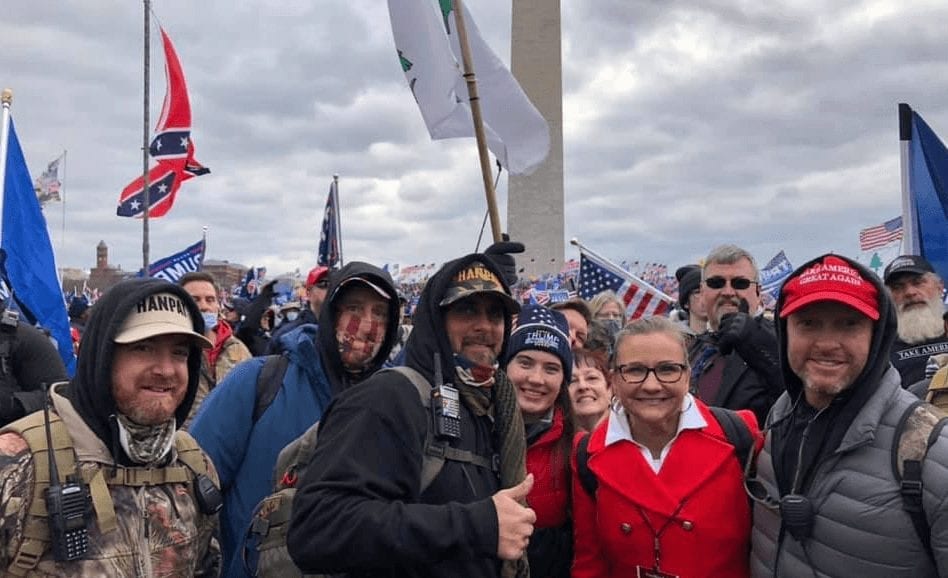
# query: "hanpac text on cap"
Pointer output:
{"type": "Point", "coordinates": [476, 273]}
{"type": "Point", "coordinates": [162, 303]}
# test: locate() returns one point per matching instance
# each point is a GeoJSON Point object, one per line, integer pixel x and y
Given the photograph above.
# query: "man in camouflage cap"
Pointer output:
{"type": "Point", "coordinates": [367, 494]}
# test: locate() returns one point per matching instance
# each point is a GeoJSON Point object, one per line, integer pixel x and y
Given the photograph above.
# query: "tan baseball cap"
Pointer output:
{"type": "Point", "coordinates": [159, 314]}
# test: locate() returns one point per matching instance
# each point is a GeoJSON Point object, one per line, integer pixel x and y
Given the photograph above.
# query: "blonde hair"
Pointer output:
{"type": "Point", "coordinates": [651, 326]}
{"type": "Point", "coordinates": [600, 300]}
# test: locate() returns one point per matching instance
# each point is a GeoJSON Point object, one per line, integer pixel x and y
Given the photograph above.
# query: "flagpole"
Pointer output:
{"type": "Point", "coordinates": [480, 236]}
{"type": "Point", "coordinates": [62, 195]}
{"type": "Point", "coordinates": [597, 256]}
{"type": "Point", "coordinates": [338, 215]}
{"type": "Point", "coordinates": [910, 243]}
{"type": "Point", "coordinates": [204, 243]}
{"type": "Point", "coordinates": [478, 121]}
{"type": "Point", "coordinates": [7, 99]}
{"type": "Point", "coordinates": [145, 183]}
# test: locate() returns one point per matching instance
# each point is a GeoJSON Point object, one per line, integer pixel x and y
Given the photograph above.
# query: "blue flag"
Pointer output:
{"type": "Point", "coordinates": [774, 274]}
{"type": "Point", "coordinates": [28, 265]}
{"type": "Point", "coordinates": [926, 224]}
{"type": "Point", "coordinates": [329, 243]}
{"type": "Point", "coordinates": [174, 267]}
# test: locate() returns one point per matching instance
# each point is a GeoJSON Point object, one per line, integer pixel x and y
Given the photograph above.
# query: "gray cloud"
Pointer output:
{"type": "Point", "coordinates": [686, 125]}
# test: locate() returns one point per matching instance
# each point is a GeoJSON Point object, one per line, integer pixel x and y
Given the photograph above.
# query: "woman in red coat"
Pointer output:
{"type": "Point", "coordinates": [669, 497]}
{"type": "Point", "coordinates": [539, 366]}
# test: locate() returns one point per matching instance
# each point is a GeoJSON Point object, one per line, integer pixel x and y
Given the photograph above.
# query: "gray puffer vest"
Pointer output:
{"type": "Point", "coordinates": [860, 527]}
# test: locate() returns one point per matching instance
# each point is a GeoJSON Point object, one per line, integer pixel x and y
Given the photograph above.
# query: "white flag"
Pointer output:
{"type": "Point", "coordinates": [430, 55]}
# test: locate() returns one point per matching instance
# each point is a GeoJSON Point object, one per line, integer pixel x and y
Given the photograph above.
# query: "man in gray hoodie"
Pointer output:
{"type": "Point", "coordinates": [827, 501]}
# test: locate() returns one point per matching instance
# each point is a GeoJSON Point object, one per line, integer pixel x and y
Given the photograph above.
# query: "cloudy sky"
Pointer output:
{"type": "Point", "coordinates": [686, 124]}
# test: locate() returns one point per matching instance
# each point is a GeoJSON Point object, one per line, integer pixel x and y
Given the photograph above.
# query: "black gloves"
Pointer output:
{"type": "Point", "coordinates": [733, 329]}
{"type": "Point", "coordinates": [754, 340]}
{"type": "Point", "coordinates": [10, 409]}
{"type": "Point", "coordinates": [501, 254]}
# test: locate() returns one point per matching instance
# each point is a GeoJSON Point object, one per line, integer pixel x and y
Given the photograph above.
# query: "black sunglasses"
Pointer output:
{"type": "Point", "coordinates": [737, 283]}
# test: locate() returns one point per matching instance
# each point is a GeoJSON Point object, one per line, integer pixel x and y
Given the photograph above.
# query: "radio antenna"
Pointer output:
{"type": "Point", "coordinates": [50, 450]}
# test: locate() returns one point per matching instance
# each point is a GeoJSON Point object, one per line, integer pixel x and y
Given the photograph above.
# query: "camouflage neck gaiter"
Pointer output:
{"type": "Point", "coordinates": [146, 444]}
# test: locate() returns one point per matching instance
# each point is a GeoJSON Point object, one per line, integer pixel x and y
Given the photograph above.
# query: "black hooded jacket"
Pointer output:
{"type": "Point", "coordinates": [428, 335]}
{"type": "Point", "coordinates": [90, 390]}
{"type": "Point", "coordinates": [359, 508]}
{"type": "Point", "coordinates": [828, 426]}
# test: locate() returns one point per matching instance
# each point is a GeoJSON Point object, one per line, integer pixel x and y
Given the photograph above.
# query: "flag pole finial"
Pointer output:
{"type": "Point", "coordinates": [7, 97]}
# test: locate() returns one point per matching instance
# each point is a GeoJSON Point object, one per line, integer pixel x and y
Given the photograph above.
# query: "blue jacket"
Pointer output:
{"type": "Point", "coordinates": [245, 453]}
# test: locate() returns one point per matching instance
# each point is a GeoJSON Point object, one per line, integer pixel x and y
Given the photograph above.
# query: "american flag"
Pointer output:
{"type": "Point", "coordinates": [596, 276]}
{"type": "Point", "coordinates": [48, 184]}
{"type": "Point", "coordinates": [542, 297]}
{"type": "Point", "coordinates": [880, 235]}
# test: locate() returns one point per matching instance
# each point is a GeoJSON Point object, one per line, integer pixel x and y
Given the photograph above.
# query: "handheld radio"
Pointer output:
{"type": "Point", "coordinates": [445, 405]}
{"type": "Point", "coordinates": [69, 505]}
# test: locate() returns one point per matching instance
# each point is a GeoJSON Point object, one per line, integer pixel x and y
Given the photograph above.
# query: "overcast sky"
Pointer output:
{"type": "Point", "coordinates": [687, 124]}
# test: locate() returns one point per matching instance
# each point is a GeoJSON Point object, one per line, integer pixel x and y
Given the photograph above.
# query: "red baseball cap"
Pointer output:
{"type": "Point", "coordinates": [315, 274]}
{"type": "Point", "coordinates": [831, 279]}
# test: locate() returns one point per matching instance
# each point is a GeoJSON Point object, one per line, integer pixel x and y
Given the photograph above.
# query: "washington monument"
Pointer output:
{"type": "Point", "coordinates": [535, 202]}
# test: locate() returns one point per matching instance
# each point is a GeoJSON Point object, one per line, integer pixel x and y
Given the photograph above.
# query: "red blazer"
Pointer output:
{"type": "Point", "coordinates": [549, 496]}
{"type": "Point", "coordinates": [710, 535]}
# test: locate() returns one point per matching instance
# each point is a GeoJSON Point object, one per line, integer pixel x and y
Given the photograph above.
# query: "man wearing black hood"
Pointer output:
{"type": "Point", "coordinates": [827, 501]}
{"type": "Point", "coordinates": [360, 508]}
{"type": "Point", "coordinates": [28, 359]}
{"type": "Point", "coordinates": [357, 328]}
{"type": "Point", "coordinates": [114, 425]}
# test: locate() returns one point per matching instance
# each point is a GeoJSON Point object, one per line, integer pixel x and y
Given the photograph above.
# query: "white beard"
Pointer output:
{"type": "Point", "coordinates": [920, 324]}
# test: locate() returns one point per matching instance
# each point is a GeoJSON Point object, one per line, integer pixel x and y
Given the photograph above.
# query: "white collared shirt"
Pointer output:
{"type": "Point", "coordinates": [618, 429]}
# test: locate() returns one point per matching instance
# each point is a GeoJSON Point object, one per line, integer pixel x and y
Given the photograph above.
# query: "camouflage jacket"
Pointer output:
{"type": "Point", "coordinates": [160, 532]}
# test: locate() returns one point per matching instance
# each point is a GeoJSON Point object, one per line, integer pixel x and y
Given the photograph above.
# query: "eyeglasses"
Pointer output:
{"type": "Point", "coordinates": [755, 488]}
{"type": "Point", "coordinates": [756, 491]}
{"type": "Point", "coordinates": [664, 372]}
{"type": "Point", "coordinates": [737, 283]}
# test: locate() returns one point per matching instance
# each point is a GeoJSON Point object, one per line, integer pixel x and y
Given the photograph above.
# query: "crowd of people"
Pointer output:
{"type": "Point", "coordinates": [485, 436]}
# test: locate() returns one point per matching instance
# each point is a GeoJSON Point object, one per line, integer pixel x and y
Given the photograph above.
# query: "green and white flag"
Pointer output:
{"type": "Point", "coordinates": [430, 55]}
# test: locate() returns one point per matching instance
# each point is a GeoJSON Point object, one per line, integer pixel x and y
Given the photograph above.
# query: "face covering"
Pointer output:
{"type": "Point", "coordinates": [292, 315]}
{"type": "Point", "coordinates": [210, 321]}
{"type": "Point", "coordinates": [612, 326]}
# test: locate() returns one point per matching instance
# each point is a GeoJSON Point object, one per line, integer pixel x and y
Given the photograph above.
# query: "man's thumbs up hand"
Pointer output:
{"type": "Point", "coordinates": [514, 522]}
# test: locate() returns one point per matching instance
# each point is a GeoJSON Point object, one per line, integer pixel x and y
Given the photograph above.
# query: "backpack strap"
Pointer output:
{"type": "Point", "coordinates": [36, 538]}
{"type": "Point", "coordinates": [191, 455]}
{"type": "Point", "coordinates": [919, 423]}
{"type": "Point", "coordinates": [431, 463]}
{"type": "Point", "coordinates": [293, 458]}
{"type": "Point", "coordinates": [437, 451]}
{"type": "Point", "coordinates": [586, 477]}
{"type": "Point", "coordinates": [736, 432]}
{"type": "Point", "coordinates": [269, 381]}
